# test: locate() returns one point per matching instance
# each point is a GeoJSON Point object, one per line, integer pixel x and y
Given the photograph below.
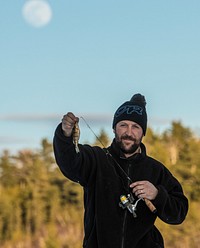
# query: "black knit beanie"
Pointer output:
{"type": "Point", "coordinates": [133, 110]}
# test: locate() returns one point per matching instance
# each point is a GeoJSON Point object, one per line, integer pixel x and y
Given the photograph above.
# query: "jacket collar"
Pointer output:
{"type": "Point", "coordinates": [115, 150]}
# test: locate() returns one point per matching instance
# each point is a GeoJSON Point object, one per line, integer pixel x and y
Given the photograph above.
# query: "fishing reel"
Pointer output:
{"type": "Point", "coordinates": [128, 202]}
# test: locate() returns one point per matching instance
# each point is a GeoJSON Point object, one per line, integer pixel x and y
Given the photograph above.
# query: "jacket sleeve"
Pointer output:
{"type": "Point", "coordinates": [171, 203]}
{"type": "Point", "coordinates": [78, 167]}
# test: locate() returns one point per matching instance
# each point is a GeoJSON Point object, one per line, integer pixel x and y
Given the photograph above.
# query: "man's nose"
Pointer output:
{"type": "Point", "coordinates": [129, 131]}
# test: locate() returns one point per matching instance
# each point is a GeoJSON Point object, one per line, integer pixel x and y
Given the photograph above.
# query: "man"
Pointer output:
{"type": "Point", "coordinates": [120, 182]}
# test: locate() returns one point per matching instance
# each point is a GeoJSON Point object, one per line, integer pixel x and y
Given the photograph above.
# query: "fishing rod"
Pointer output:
{"type": "Point", "coordinates": [149, 204]}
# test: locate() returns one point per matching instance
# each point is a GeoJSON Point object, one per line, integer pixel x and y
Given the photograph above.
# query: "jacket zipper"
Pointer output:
{"type": "Point", "coordinates": [125, 216]}
{"type": "Point", "coordinates": [123, 229]}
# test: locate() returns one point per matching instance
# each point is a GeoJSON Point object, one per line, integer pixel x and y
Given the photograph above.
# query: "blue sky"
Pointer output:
{"type": "Point", "coordinates": [90, 58]}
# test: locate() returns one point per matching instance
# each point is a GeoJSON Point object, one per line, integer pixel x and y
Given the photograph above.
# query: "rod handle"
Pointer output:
{"type": "Point", "coordinates": [150, 205]}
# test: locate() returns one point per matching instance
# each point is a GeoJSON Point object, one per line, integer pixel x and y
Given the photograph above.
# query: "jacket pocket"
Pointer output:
{"type": "Point", "coordinates": [157, 238]}
{"type": "Point", "coordinates": [91, 241]}
{"type": "Point", "coordinates": [153, 239]}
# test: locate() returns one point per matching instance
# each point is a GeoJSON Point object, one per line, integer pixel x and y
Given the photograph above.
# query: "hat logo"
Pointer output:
{"type": "Point", "coordinates": [129, 110]}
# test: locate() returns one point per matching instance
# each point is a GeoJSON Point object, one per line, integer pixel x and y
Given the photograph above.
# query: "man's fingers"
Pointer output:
{"type": "Point", "coordinates": [144, 189]}
{"type": "Point", "coordinates": [68, 122]}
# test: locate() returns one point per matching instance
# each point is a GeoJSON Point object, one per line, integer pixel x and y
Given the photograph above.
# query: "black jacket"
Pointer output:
{"type": "Point", "coordinates": [106, 224]}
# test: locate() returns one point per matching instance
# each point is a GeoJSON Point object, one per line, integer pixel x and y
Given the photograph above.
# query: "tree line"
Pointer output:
{"type": "Point", "coordinates": [40, 208]}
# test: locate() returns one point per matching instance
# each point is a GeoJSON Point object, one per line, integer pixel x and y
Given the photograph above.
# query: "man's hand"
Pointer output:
{"type": "Point", "coordinates": [68, 122]}
{"type": "Point", "coordinates": [144, 189]}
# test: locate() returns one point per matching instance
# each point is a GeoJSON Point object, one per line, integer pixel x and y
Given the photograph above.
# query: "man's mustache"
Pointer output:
{"type": "Point", "coordinates": [127, 137]}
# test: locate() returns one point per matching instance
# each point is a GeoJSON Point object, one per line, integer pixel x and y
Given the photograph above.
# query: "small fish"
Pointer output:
{"type": "Point", "coordinates": [76, 136]}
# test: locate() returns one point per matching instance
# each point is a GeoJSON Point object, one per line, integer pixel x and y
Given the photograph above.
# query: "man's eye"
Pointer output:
{"type": "Point", "coordinates": [136, 126]}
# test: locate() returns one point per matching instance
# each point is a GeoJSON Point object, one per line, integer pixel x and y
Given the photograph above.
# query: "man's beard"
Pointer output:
{"type": "Point", "coordinates": [123, 148]}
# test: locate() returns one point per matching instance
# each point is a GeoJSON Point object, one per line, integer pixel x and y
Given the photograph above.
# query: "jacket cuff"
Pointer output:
{"type": "Point", "coordinates": [60, 134]}
{"type": "Point", "coordinates": [161, 197]}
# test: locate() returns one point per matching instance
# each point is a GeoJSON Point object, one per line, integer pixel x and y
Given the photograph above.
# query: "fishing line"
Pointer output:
{"type": "Point", "coordinates": [93, 132]}
{"type": "Point", "coordinates": [107, 152]}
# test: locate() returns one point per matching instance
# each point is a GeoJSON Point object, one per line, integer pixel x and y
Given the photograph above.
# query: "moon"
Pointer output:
{"type": "Point", "coordinates": [37, 13]}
